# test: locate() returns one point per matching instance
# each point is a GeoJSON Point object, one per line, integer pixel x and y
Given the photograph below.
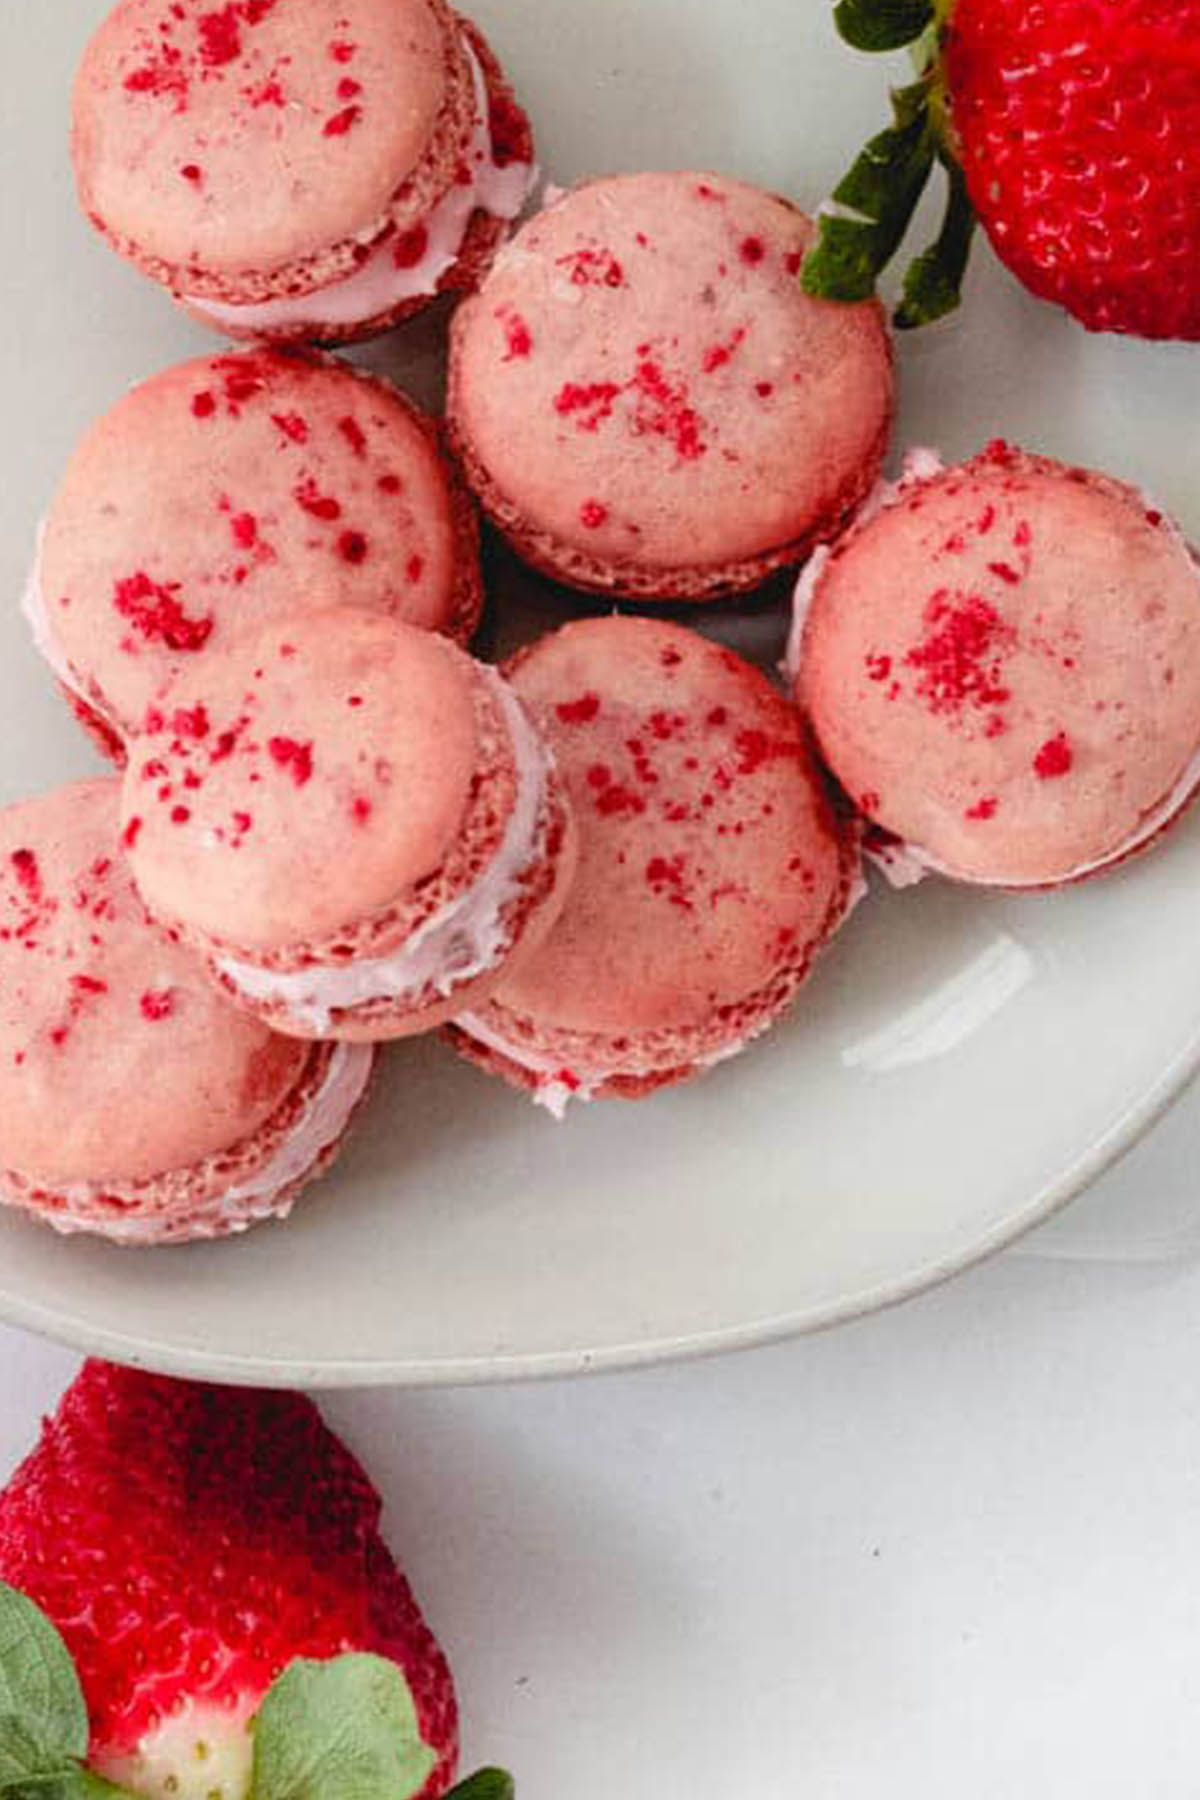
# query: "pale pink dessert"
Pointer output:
{"type": "Point", "coordinates": [230, 490]}
{"type": "Point", "coordinates": [315, 171]}
{"type": "Point", "coordinates": [1001, 663]}
{"type": "Point", "coordinates": [135, 1102]}
{"type": "Point", "coordinates": [647, 402]}
{"type": "Point", "coordinates": [712, 868]}
{"type": "Point", "coordinates": [356, 824]}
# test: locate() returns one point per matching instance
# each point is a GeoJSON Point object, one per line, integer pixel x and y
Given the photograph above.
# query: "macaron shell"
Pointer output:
{"type": "Point", "coordinates": [512, 132]}
{"type": "Point", "coordinates": [1004, 667]}
{"type": "Point", "coordinates": [192, 1203]}
{"type": "Point", "coordinates": [690, 418]}
{"type": "Point", "coordinates": [304, 781]}
{"type": "Point", "coordinates": [227, 491]}
{"type": "Point", "coordinates": [118, 1061]}
{"type": "Point", "coordinates": [237, 149]}
{"type": "Point", "coordinates": [709, 855]}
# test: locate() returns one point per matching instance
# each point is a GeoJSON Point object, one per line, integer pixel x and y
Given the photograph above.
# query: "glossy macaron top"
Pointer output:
{"type": "Point", "coordinates": [1003, 666]}
{"type": "Point", "coordinates": [118, 1060]}
{"type": "Point", "coordinates": [237, 149]}
{"type": "Point", "coordinates": [682, 403]}
{"type": "Point", "coordinates": [315, 776]}
{"type": "Point", "coordinates": [709, 856]}
{"type": "Point", "coordinates": [227, 491]}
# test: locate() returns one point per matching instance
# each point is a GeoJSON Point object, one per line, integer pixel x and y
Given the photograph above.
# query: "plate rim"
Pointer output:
{"type": "Point", "coordinates": [331, 1374]}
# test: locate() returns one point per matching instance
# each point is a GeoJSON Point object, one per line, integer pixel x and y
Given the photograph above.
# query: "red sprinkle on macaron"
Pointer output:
{"type": "Point", "coordinates": [288, 754]}
{"type": "Point", "coordinates": [153, 610]}
{"type": "Point", "coordinates": [131, 833]}
{"type": "Point", "coordinates": [292, 426]}
{"type": "Point", "coordinates": [308, 495]}
{"type": "Point", "coordinates": [518, 337]}
{"type": "Point", "coordinates": [203, 406]}
{"type": "Point", "coordinates": [752, 250]}
{"type": "Point", "coordinates": [192, 172]}
{"type": "Point", "coordinates": [983, 809]}
{"type": "Point", "coordinates": [155, 1006]}
{"type": "Point", "coordinates": [579, 712]}
{"type": "Point", "coordinates": [960, 658]}
{"type": "Point", "coordinates": [354, 435]}
{"type": "Point", "coordinates": [592, 514]}
{"type": "Point", "coordinates": [343, 122]}
{"type": "Point", "coordinates": [1055, 758]}
{"type": "Point", "coordinates": [352, 547]}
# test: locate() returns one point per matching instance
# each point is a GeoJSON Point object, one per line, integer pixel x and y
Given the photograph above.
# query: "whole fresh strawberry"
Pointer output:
{"type": "Point", "coordinates": [1070, 128]}
{"type": "Point", "coordinates": [209, 1561]}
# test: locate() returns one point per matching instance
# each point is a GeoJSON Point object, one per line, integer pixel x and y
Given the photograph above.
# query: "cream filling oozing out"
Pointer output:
{"type": "Point", "coordinates": [902, 863]}
{"type": "Point", "coordinates": [467, 938]}
{"type": "Point", "coordinates": [245, 1203]}
{"type": "Point", "coordinates": [33, 605]}
{"type": "Point", "coordinates": [379, 285]}
{"type": "Point", "coordinates": [557, 1085]}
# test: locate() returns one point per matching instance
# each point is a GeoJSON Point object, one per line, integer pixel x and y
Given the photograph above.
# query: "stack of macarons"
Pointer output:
{"type": "Point", "coordinates": [608, 865]}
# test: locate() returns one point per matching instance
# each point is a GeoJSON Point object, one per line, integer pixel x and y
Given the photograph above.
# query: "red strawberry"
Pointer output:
{"type": "Point", "coordinates": [1070, 127]}
{"type": "Point", "coordinates": [189, 1542]}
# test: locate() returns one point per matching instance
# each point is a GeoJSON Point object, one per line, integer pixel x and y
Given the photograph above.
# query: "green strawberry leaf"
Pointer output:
{"type": "Point", "coordinates": [882, 24]}
{"type": "Point", "coordinates": [874, 203]}
{"type": "Point", "coordinates": [933, 284]}
{"type": "Point", "coordinates": [346, 1727]}
{"type": "Point", "coordinates": [43, 1715]}
{"type": "Point", "coordinates": [73, 1783]}
{"type": "Point", "coordinates": [486, 1784]}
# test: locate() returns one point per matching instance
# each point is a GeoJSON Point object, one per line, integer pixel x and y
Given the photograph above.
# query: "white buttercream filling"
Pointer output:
{"type": "Point", "coordinates": [324, 1119]}
{"type": "Point", "coordinates": [905, 864]}
{"type": "Point", "coordinates": [554, 1092]}
{"type": "Point", "coordinates": [465, 939]}
{"type": "Point", "coordinates": [378, 286]}
{"type": "Point", "coordinates": [33, 605]}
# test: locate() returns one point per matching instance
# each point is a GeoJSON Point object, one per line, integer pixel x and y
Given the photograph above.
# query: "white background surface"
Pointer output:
{"type": "Point", "coordinates": [948, 1553]}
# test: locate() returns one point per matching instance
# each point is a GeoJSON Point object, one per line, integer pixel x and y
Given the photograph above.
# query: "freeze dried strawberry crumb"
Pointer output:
{"type": "Point", "coordinates": [589, 404]}
{"type": "Point", "coordinates": [615, 799]}
{"type": "Point", "coordinates": [349, 89]}
{"type": "Point", "coordinates": [190, 722]}
{"type": "Point", "coordinates": [308, 495]}
{"type": "Point", "coordinates": [663, 409]}
{"type": "Point", "coordinates": [131, 833]}
{"type": "Point", "coordinates": [342, 52]}
{"type": "Point", "coordinates": [878, 667]}
{"type": "Point", "coordinates": [360, 810]}
{"type": "Point", "coordinates": [592, 515]}
{"type": "Point", "coordinates": [180, 815]}
{"type": "Point", "coordinates": [579, 712]}
{"type": "Point", "coordinates": [203, 405]}
{"type": "Point", "coordinates": [410, 247]}
{"type": "Point", "coordinates": [192, 172]}
{"type": "Point", "coordinates": [292, 426]}
{"type": "Point", "coordinates": [752, 250]}
{"type": "Point", "coordinates": [352, 547]}
{"type": "Point", "coordinates": [390, 484]}
{"type": "Point", "coordinates": [354, 435]}
{"type": "Point", "coordinates": [156, 1006]}
{"type": "Point", "coordinates": [157, 615]}
{"type": "Point", "coordinates": [161, 79]}
{"type": "Point", "coordinates": [415, 568]}
{"type": "Point", "coordinates": [719, 354]}
{"type": "Point", "coordinates": [983, 809]}
{"type": "Point", "coordinates": [296, 757]}
{"type": "Point", "coordinates": [518, 337]}
{"type": "Point", "coordinates": [1055, 758]}
{"type": "Point", "coordinates": [961, 658]}
{"type": "Point", "coordinates": [269, 94]}
{"type": "Point", "coordinates": [343, 122]}
{"type": "Point", "coordinates": [593, 268]}
{"type": "Point", "coordinates": [220, 40]}
{"type": "Point", "coordinates": [245, 530]}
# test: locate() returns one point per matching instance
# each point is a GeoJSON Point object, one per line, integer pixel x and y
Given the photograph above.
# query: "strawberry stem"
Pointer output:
{"type": "Point", "coordinates": [881, 24]}
{"type": "Point", "coordinates": [485, 1784]}
{"type": "Point", "coordinates": [933, 284]}
{"type": "Point", "coordinates": [873, 204]}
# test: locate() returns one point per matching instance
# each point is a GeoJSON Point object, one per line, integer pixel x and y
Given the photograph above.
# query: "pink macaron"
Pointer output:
{"type": "Point", "coordinates": [646, 401]}
{"type": "Point", "coordinates": [712, 868]}
{"type": "Point", "coordinates": [1001, 662]}
{"type": "Point", "coordinates": [354, 822]}
{"type": "Point", "coordinates": [135, 1102]}
{"type": "Point", "coordinates": [288, 171]}
{"type": "Point", "coordinates": [218, 495]}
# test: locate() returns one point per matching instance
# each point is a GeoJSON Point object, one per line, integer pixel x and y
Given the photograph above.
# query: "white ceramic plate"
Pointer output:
{"type": "Point", "coordinates": [959, 1066]}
